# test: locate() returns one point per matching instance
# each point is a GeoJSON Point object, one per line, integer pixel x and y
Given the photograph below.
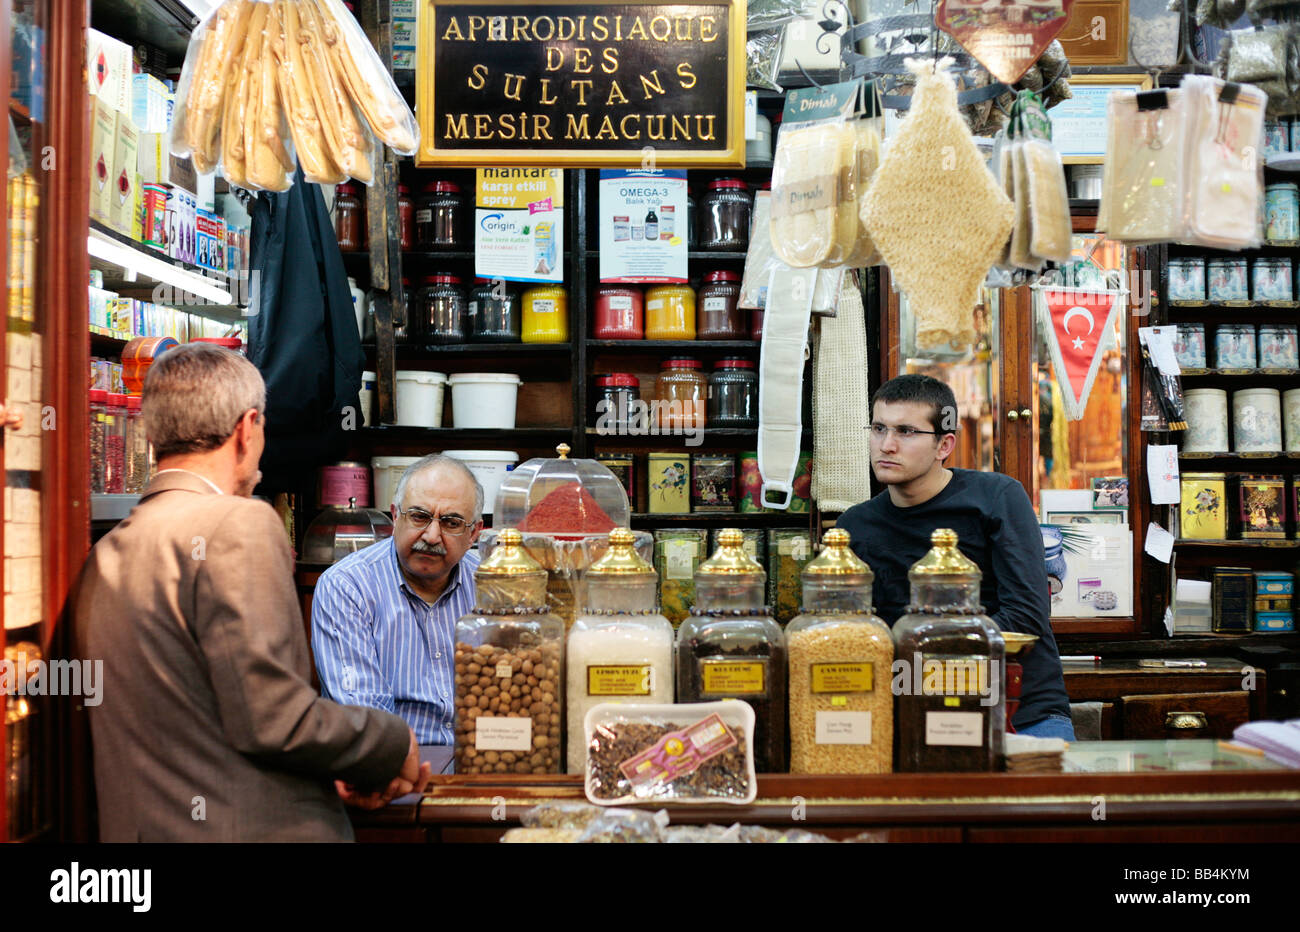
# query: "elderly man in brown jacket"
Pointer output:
{"type": "Point", "coordinates": [209, 729]}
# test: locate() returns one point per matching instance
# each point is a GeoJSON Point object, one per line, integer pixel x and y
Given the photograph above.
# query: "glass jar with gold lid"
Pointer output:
{"type": "Point", "coordinates": [620, 648]}
{"type": "Point", "coordinates": [951, 713]}
{"type": "Point", "coordinates": [730, 648]}
{"type": "Point", "coordinates": [509, 677]}
{"type": "Point", "coordinates": [841, 707]}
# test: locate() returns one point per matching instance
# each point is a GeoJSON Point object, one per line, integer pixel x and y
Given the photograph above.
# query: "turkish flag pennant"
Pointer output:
{"type": "Point", "coordinates": [1079, 325]}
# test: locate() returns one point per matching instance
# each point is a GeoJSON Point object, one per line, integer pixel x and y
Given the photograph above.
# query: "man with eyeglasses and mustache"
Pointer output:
{"type": "Point", "coordinates": [383, 620]}
{"type": "Point", "coordinates": [913, 430]}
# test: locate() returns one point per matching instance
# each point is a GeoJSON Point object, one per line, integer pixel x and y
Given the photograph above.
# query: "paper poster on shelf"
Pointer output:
{"type": "Point", "coordinates": [1089, 570]}
{"type": "Point", "coordinates": [519, 224]}
{"type": "Point", "coordinates": [643, 225]}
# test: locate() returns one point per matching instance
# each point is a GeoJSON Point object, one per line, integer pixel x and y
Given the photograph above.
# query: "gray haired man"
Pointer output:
{"type": "Point", "coordinates": [383, 619]}
{"type": "Point", "coordinates": [209, 729]}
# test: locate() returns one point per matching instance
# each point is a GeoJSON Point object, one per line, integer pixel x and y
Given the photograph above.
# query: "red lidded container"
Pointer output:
{"type": "Point", "coordinates": [620, 313]}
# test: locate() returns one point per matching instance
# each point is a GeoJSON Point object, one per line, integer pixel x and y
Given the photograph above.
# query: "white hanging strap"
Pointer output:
{"type": "Point", "coordinates": [780, 383]}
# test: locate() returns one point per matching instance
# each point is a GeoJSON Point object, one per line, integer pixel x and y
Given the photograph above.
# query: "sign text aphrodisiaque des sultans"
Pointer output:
{"type": "Point", "coordinates": [644, 75]}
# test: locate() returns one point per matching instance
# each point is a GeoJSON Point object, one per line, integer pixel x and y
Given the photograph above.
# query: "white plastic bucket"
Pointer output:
{"type": "Point", "coordinates": [387, 470]}
{"type": "Point", "coordinates": [419, 398]}
{"type": "Point", "coordinates": [484, 399]}
{"type": "Point", "coordinates": [489, 467]}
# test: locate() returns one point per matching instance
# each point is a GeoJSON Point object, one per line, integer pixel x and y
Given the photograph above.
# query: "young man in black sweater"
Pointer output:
{"type": "Point", "coordinates": [913, 423]}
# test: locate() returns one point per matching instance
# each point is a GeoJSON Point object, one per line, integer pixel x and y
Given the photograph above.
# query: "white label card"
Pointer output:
{"type": "Point", "coordinates": [503, 734]}
{"type": "Point", "coordinates": [843, 728]}
{"type": "Point", "coordinates": [954, 729]}
{"type": "Point", "coordinates": [504, 670]}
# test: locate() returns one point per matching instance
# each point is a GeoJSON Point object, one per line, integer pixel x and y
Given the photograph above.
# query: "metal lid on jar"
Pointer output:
{"type": "Point", "coordinates": [735, 362]}
{"type": "Point", "coordinates": [441, 187]}
{"type": "Point", "coordinates": [403, 189]}
{"type": "Point", "coordinates": [680, 362]}
{"type": "Point", "coordinates": [508, 558]}
{"type": "Point", "coordinates": [944, 559]}
{"type": "Point", "coordinates": [98, 395]}
{"type": "Point", "coordinates": [1017, 643]}
{"type": "Point", "coordinates": [620, 379]}
{"type": "Point", "coordinates": [837, 559]}
{"type": "Point", "coordinates": [730, 559]}
{"type": "Point", "coordinates": [722, 275]}
{"type": "Point", "coordinates": [346, 187]}
{"type": "Point", "coordinates": [719, 184]}
{"type": "Point", "coordinates": [442, 279]}
{"type": "Point", "coordinates": [133, 402]}
{"type": "Point", "coordinates": [622, 559]}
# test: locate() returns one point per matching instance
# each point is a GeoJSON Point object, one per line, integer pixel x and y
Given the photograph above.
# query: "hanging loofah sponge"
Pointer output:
{"type": "Point", "coordinates": [935, 212]}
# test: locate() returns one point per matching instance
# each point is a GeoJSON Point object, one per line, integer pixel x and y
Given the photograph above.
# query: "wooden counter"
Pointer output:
{"type": "Point", "coordinates": [1206, 806]}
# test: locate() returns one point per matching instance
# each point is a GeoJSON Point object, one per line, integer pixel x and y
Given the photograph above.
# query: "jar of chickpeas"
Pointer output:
{"type": "Point", "coordinates": [509, 675]}
{"type": "Point", "coordinates": [840, 654]}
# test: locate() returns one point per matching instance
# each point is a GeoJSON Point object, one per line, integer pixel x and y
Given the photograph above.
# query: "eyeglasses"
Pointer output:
{"type": "Point", "coordinates": [880, 432]}
{"type": "Point", "coordinates": [420, 519]}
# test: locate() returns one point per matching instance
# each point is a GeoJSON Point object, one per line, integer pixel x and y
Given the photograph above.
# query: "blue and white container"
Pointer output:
{"type": "Point", "coordinates": [1277, 139]}
{"type": "Point", "coordinates": [1278, 346]}
{"type": "Point", "coordinates": [1189, 346]}
{"type": "Point", "coordinates": [1234, 346]}
{"type": "Point", "coordinates": [1282, 212]}
{"type": "Point", "coordinates": [1270, 279]}
{"type": "Point", "coordinates": [1187, 279]}
{"type": "Point", "coordinates": [1226, 280]}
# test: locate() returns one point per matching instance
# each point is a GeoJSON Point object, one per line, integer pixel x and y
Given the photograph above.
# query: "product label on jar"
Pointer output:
{"type": "Point", "coordinates": [503, 734]}
{"type": "Point", "coordinates": [615, 680]}
{"type": "Point", "coordinates": [732, 677]}
{"type": "Point", "coordinates": [842, 677]}
{"type": "Point", "coordinates": [655, 304]}
{"type": "Point", "coordinates": [504, 670]}
{"type": "Point", "coordinates": [679, 752]}
{"type": "Point", "coordinates": [843, 728]}
{"type": "Point", "coordinates": [679, 557]}
{"type": "Point", "coordinates": [424, 216]}
{"type": "Point", "coordinates": [543, 305]}
{"type": "Point", "coordinates": [955, 676]}
{"type": "Point", "coordinates": [954, 729]}
{"type": "Point", "coordinates": [620, 302]}
{"type": "Point", "coordinates": [715, 304]}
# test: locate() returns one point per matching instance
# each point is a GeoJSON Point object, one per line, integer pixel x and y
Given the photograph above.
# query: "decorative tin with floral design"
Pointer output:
{"type": "Point", "coordinates": [1234, 346]}
{"type": "Point", "coordinates": [1257, 421]}
{"type": "Point", "coordinates": [1278, 346]}
{"type": "Point", "coordinates": [1202, 513]}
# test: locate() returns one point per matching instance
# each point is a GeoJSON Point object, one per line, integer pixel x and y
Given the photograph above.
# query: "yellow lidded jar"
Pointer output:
{"type": "Point", "coordinates": [546, 315]}
{"type": "Point", "coordinates": [670, 312]}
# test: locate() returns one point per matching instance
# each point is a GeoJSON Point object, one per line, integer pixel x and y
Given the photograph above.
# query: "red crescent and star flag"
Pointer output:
{"type": "Point", "coordinates": [1077, 325]}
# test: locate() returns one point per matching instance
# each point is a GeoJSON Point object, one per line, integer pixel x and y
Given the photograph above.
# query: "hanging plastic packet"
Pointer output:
{"type": "Point", "coordinates": [1039, 172]}
{"type": "Point", "coordinates": [814, 151]}
{"type": "Point", "coordinates": [270, 83]}
{"type": "Point", "coordinates": [1145, 177]}
{"type": "Point", "coordinates": [763, 58]}
{"type": "Point", "coordinates": [866, 145]}
{"type": "Point", "coordinates": [1225, 170]}
{"type": "Point", "coordinates": [761, 261]}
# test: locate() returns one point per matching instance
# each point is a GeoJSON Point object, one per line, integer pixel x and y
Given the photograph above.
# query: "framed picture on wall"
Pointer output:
{"type": "Point", "coordinates": [1110, 493]}
{"type": "Point", "coordinates": [1079, 124]}
{"type": "Point", "coordinates": [1085, 517]}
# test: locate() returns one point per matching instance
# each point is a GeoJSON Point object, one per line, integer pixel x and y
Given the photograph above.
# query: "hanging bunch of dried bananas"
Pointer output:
{"type": "Point", "coordinates": [265, 82]}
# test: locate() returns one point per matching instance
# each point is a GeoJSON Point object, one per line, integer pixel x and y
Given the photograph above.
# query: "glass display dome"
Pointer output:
{"type": "Point", "coordinates": [339, 531]}
{"type": "Point", "coordinates": [569, 498]}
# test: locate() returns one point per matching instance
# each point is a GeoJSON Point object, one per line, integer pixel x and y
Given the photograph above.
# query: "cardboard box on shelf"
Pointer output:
{"type": "Point", "coordinates": [153, 161]}
{"type": "Point", "coordinates": [148, 103]}
{"type": "Point", "coordinates": [103, 137]}
{"type": "Point", "coordinates": [121, 213]}
{"type": "Point", "coordinates": [108, 70]}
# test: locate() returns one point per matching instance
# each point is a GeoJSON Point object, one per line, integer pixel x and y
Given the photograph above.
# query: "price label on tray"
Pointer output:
{"type": "Point", "coordinates": [679, 752]}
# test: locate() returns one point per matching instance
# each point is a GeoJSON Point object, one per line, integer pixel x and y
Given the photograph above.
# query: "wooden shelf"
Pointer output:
{"type": "Point", "coordinates": [401, 434]}
{"type": "Point", "coordinates": [103, 343]}
{"type": "Point", "coordinates": [1267, 249]}
{"type": "Point", "coordinates": [166, 24]}
{"type": "Point", "coordinates": [1239, 544]}
{"type": "Point", "coordinates": [722, 255]}
{"type": "Point", "coordinates": [410, 350]}
{"type": "Point", "coordinates": [782, 519]}
{"type": "Point", "coordinates": [651, 346]}
{"type": "Point", "coordinates": [1241, 373]}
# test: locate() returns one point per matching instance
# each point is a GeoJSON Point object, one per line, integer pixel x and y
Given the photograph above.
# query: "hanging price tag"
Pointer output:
{"type": "Point", "coordinates": [1005, 38]}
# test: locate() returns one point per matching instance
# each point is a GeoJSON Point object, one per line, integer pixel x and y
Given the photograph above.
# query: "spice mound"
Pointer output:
{"type": "Point", "coordinates": [569, 509]}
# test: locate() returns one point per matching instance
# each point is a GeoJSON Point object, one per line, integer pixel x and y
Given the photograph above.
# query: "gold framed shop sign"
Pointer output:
{"type": "Point", "coordinates": [572, 84]}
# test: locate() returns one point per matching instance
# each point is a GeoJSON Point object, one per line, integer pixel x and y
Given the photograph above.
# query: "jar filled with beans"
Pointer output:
{"type": "Point", "coordinates": [730, 648]}
{"type": "Point", "coordinates": [841, 706]}
{"type": "Point", "coordinates": [509, 669]}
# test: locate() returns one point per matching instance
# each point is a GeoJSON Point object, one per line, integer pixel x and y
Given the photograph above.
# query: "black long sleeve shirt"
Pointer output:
{"type": "Point", "coordinates": [996, 527]}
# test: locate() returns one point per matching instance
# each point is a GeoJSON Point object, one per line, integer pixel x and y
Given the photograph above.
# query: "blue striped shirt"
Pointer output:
{"type": "Point", "coordinates": [378, 644]}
